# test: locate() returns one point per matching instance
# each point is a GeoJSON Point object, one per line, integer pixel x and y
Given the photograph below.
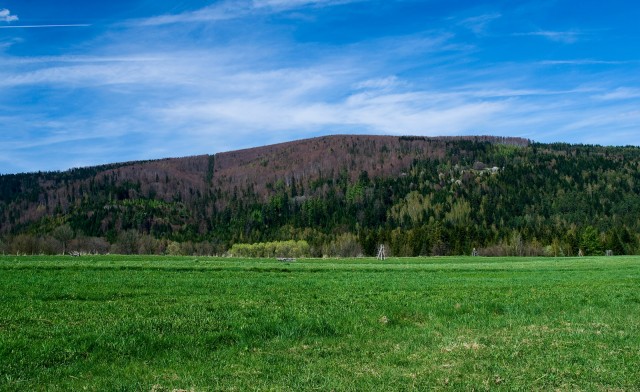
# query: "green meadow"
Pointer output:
{"type": "Point", "coordinates": [142, 323]}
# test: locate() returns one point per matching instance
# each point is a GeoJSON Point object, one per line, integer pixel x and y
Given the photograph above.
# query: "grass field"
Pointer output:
{"type": "Point", "coordinates": [109, 323]}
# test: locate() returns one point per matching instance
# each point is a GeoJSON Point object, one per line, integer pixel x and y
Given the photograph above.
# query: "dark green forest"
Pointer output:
{"type": "Point", "coordinates": [499, 198]}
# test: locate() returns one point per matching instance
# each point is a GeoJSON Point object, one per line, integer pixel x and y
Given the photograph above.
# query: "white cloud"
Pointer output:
{"type": "Point", "coordinates": [566, 37]}
{"type": "Point", "coordinates": [479, 24]}
{"type": "Point", "coordinates": [374, 110]}
{"type": "Point", "coordinates": [385, 83]}
{"type": "Point", "coordinates": [5, 16]}
{"type": "Point", "coordinates": [8, 43]}
{"type": "Point", "coordinates": [584, 62]}
{"type": "Point", "coordinates": [95, 71]}
{"type": "Point", "coordinates": [44, 26]}
{"type": "Point", "coordinates": [219, 11]}
{"type": "Point", "coordinates": [232, 9]}
{"type": "Point", "coordinates": [620, 94]}
{"type": "Point", "coordinates": [290, 4]}
{"type": "Point", "coordinates": [618, 119]}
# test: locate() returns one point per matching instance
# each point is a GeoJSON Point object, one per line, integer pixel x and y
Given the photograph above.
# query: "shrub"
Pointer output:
{"type": "Point", "coordinates": [289, 248]}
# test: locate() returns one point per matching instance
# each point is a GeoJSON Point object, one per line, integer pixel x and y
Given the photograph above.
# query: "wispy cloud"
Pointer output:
{"type": "Point", "coordinates": [479, 24]}
{"type": "Point", "coordinates": [290, 4]}
{"type": "Point", "coordinates": [384, 83]}
{"type": "Point", "coordinates": [585, 62]}
{"type": "Point", "coordinates": [44, 26]}
{"type": "Point", "coordinates": [5, 16]}
{"type": "Point", "coordinates": [621, 93]}
{"type": "Point", "coordinates": [620, 118]}
{"type": "Point", "coordinates": [6, 44]}
{"type": "Point", "coordinates": [566, 37]}
{"type": "Point", "coordinates": [219, 11]}
{"type": "Point", "coordinates": [232, 9]}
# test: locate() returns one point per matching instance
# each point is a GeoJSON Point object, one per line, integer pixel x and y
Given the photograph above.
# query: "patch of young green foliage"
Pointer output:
{"type": "Point", "coordinates": [140, 323]}
{"type": "Point", "coordinates": [271, 249]}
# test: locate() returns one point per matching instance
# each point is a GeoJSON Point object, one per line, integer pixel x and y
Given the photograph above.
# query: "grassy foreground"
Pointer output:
{"type": "Point", "coordinates": [162, 324]}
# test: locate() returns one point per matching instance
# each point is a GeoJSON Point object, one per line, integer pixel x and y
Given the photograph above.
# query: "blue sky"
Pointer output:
{"type": "Point", "coordinates": [85, 83]}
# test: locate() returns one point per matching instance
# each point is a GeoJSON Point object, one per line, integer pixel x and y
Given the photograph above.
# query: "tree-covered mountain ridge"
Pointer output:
{"type": "Point", "coordinates": [338, 195]}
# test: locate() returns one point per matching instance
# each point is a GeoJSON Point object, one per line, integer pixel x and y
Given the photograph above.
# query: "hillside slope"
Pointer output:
{"type": "Point", "coordinates": [342, 194]}
{"type": "Point", "coordinates": [26, 198]}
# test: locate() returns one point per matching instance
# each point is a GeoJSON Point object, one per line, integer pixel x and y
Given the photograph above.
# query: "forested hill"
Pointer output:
{"type": "Point", "coordinates": [338, 195]}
